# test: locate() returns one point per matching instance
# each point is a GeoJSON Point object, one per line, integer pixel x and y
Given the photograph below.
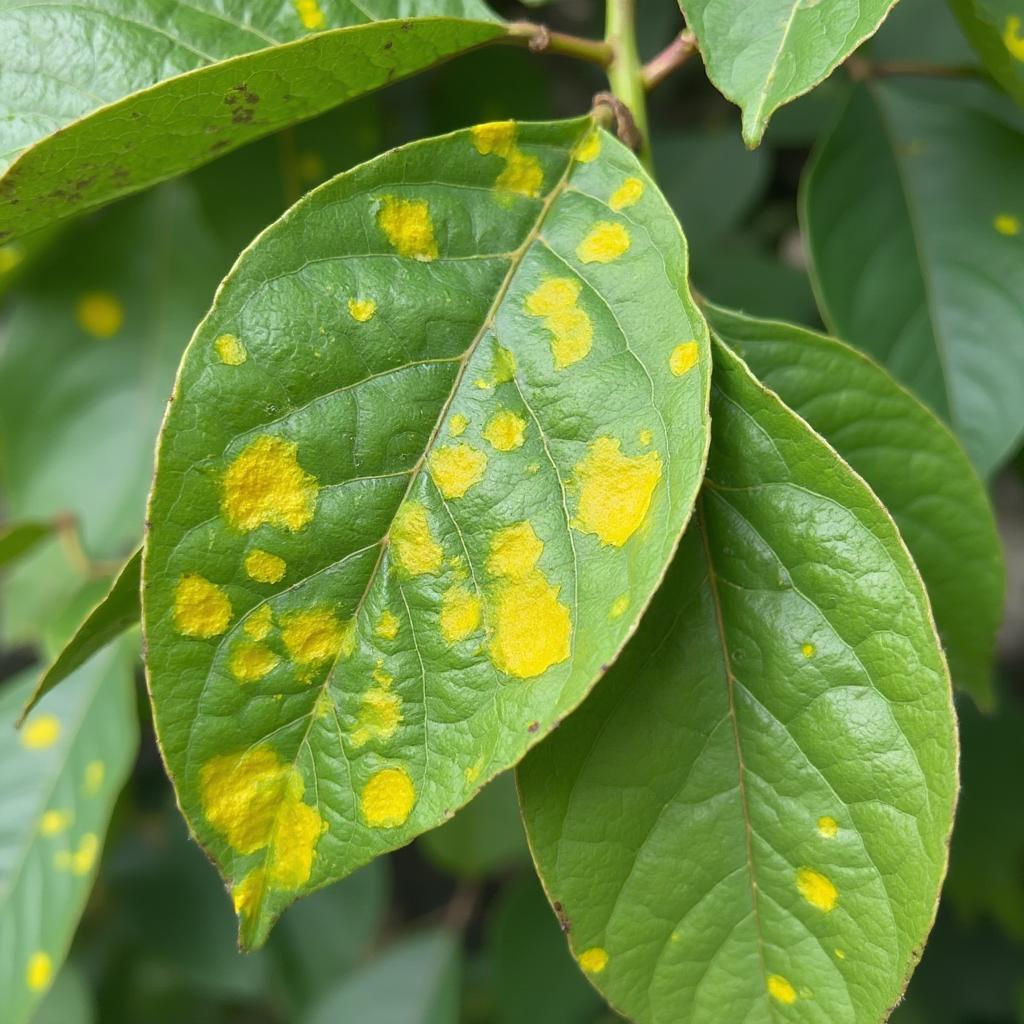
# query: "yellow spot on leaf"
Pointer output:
{"type": "Point", "coordinates": [515, 551]}
{"type": "Point", "coordinates": [455, 468]}
{"type": "Point", "coordinates": [248, 894]}
{"type": "Point", "coordinates": [39, 972]}
{"type": "Point", "coordinates": [472, 773]}
{"type": "Point", "coordinates": [10, 256]}
{"type": "Point", "coordinates": [683, 358]}
{"type": "Point", "coordinates": [460, 613]}
{"type": "Point", "coordinates": [781, 990]}
{"type": "Point", "coordinates": [505, 431]}
{"type": "Point", "coordinates": [840, 954]}
{"type": "Point", "coordinates": [250, 662]}
{"type": "Point", "coordinates": [362, 310]}
{"type": "Point", "coordinates": [619, 606]}
{"type": "Point", "coordinates": [83, 859]}
{"type": "Point", "coordinates": [99, 314]}
{"type": "Point", "coordinates": [258, 624]}
{"type": "Point", "coordinates": [387, 799]}
{"type": "Point", "coordinates": [266, 485]}
{"type": "Point", "coordinates": [95, 771]}
{"type": "Point", "coordinates": [230, 350]}
{"type": "Point", "coordinates": [646, 437]}
{"type": "Point", "coordinates": [589, 149]}
{"type": "Point", "coordinates": [828, 828]}
{"type": "Point", "coordinates": [457, 425]}
{"type": "Point", "coordinates": [413, 544]}
{"type": "Point", "coordinates": [314, 636]}
{"type": "Point", "coordinates": [522, 174]}
{"type": "Point", "coordinates": [482, 385]}
{"type": "Point", "coordinates": [52, 823]}
{"type": "Point", "coordinates": [1007, 224]}
{"type": "Point", "coordinates": [817, 889]}
{"type": "Point", "coordinates": [594, 960]}
{"type": "Point", "coordinates": [807, 650]}
{"type": "Point", "coordinates": [201, 608]}
{"type": "Point", "coordinates": [310, 14]}
{"type": "Point", "coordinates": [1013, 37]}
{"type": "Point", "coordinates": [387, 625]}
{"type": "Point", "coordinates": [40, 732]}
{"type": "Point", "coordinates": [572, 333]}
{"type": "Point", "coordinates": [380, 676]}
{"type": "Point", "coordinates": [504, 365]}
{"type": "Point", "coordinates": [626, 194]}
{"type": "Point", "coordinates": [606, 241]}
{"type": "Point", "coordinates": [264, 567]}
{"type": "Point", "coordinates": [379, 716]}
{"type": "Point", "coordinates": [408, 227]}
{"type": "Point", "coordinates": [615, 490]}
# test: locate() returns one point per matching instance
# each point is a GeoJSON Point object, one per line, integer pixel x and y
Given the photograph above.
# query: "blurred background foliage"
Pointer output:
{"type": "Point", "coordinates": [454, 927]}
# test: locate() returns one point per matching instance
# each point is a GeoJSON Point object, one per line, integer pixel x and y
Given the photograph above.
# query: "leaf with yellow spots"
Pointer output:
{"type": "Point", "coordinates": [377, 542]}
{"type": "Point", "coordinates": [995, 28]}
{"type": "Point", "coordinates": [724, 813]}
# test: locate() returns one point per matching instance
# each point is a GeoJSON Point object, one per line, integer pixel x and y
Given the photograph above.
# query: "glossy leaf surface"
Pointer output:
{"type": "Point", "coordinates": [427, 458]}
{"type": "Point", "coordinates": [763, 53]}
{"type": "Point", "coordinates": [747, 821]}
{"type": "Point", "coordinates": [104, 98]}
{"type": "Point", "coordinates": [995, 29]}
{"type": "Point", "coordinates": [924, 270]}
{"type": "Point", "coordinates": [910, 460]}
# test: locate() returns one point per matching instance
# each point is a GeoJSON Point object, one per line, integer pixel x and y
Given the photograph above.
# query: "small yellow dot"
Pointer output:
{"type": "Point", "coordinates": [94, 773]}
{"type": "Point", "coordinates": [54, 822]}
{"type": "Point", "coordinates": [1007, 224]}
{"type": "Point", "coordinates": [41, 732]}
{"type": "Point", "coordinates": [840, 954]}
{"type": "Point", "coordinates": [594, 960]}
{"type": "Point", "coordinates": [99, 314]}
{"type": "Point", "coordinates": [807, 650]}
{"type": "Point", "coordinates": [230, 350]}
{"type": "Point", "coordinates": [619, 606]}
{"type": "Point", "coordinates": [828, 828]}
{"type": "Point", "coordinates": [39, 972]}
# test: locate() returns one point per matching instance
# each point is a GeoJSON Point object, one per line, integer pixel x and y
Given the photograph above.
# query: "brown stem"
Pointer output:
{"type": "Point", "coordinates": [861, 69]}
{"type": "Point", "coordinates": [540, 39]}
{"type": "Point", "coordinates": [674, 56]}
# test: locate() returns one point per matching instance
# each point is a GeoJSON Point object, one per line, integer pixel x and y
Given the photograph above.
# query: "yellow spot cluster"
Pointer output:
{"type": "Point", "coordinates": [683, 357]}
{"type": "Point", "coordinates": [615, 490]}
{"type": "Point", "coordinates": [455, 468]}
{"type": "Point", "coordinates": [1007, 224]}
{"type": "Point", "coordinates": [523, 174]}
{"type": "Point", "coordinates": [414, 547]}
{"type": "Point", "coordinates": [594, 960]}
{"type": "Point", "coordinates": [309, 13]}
{"type": "Point", "coordinates": [828, 828]}
{"type": "Point", "coordinates": [387, 799]}
{"type": "Point", "coordinates": [40, 732]}
{"type": "Point", "coordinates": [817, 889]}
{"type": "Point", "coordinates": [1013, 37]}
{"type": "Point", "coordinates": [606, 241]}
{"type": "Point", "coordinates": [263, 567]}
{"type": "Point", "coordinates": [589, 149]}
{"type": "Point", "coordinates": [361, 310]}
{"type": "Point", "coordinates": [316, 635]}
{"type": "Point", "coordinates": [781, 990]}
{"type": "Point", "coordinates": [572, 333]}
{"type": "Point", "coordinates": [252, 661]}
{"type": "Point", "coordinates": [39, 971]}
{"type": "Point", "coordinates": [460, 613]}
{"type": "Point", "coordinates": [628, 193]}
{"type": "Point", "coordinates": [259, 623]}
{"type": "Point", "coordinates": [266, 485]}
{"type": "Point", "coordinates": [230, 350]}
{"type": "Point", "coordinates": [201, 608]}
{"type": "Point", "coordinates": [99, 314]}
{"type": "Point", "coordinates": [387, 625]}
{"type": "Point", "coordinates": [505, 431]}
{"type": "Point", "coordinates": [457, 425]}
{"type": "Point", "coordinates": [408, 227]}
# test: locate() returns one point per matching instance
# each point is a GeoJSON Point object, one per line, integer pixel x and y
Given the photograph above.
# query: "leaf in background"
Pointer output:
{"type": "Point", "coordinates": [415, 981]}
{"type": "Point", "coordinates": [995, 28]}
{"type": "Point", "coordinates": [59, 777]}
{"type": "Point", "coordinates": [924, 270]}
{"type": "Point", "coordinates": [19, 538]}
{"type": "Point", "coordinates": [748, 818]}
{"type": "Point", "coordinates": [763, 53]}
{"type": "Point", "coordinates": [428, 457]}
{"type": "Point", "coordinates": [910, 460]}
{"type": "Point", "coordinates": [101, 103]}
{"type": "Point", "coordinates": [922, 30]}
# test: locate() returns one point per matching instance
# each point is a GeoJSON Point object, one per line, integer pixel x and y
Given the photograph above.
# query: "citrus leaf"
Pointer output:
{"type": "Point", "coordinates": [117, 612]}
{"type": "Point", "coordinates": [103, 100]}
{"type": "Point", "coordinates": [17, 539]}
{"type": "Point", "coordinates": [427, 459]}
{"type": "Point", "coordinates": [995, 28]}
{"type": "Point", "coordinates": [748, 818]}
{"type": "Point", "coordinates": [910, 460]}
{"type": "Point", "coordinates": [763, 53]}
{"type": "Point", "coordinates": [59, 777]}
{"type": "Point", "coordinates": [924, 269]}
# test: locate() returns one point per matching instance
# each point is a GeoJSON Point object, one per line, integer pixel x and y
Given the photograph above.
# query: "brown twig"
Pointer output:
{"type": "Point", "coordinates": [617, 111]}
{"type": "Point", "coordinates": [540, 39]}
{"type": "Point", "coordinates": [674, 56]}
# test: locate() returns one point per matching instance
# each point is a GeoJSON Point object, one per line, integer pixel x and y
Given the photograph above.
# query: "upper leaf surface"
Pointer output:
{"type": "Point", "coordinates": [102, 98]}
{"type": "Point", "coordinates": [427, 458]}
{"type": "Point", "coordinates": [747, 821]}
{"type": "Point", "coordinates": [910, 460]}
{"type": "Point", "coordinates": [996, 31]}
{"type": "Point", "coordinates": [763, 53]}
{"type": "Point", "coordinates": [924, 269]}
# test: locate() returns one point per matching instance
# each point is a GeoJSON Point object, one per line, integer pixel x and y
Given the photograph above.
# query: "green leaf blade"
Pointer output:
{"type": "Point", "coordinates": [20, 538]}
{"type": "Point", "coordinates": [398, 443]}
{"type": "Point", "coordinates": [748, 819]}
{"type": "Point", "coordinates": [995, 28]}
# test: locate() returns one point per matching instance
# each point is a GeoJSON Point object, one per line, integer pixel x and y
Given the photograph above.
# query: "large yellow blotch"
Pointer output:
{"type": "Point", "coordinates": [628, 193]}
{"type": "Point", "coordinates": [1013, 37]}
{"type": "Point", "coordinates": [408, 227]}
{"type": "Point", "coordinates": [201, 608]}
{"type": "Point", "coordinates": [505, 431]}
{"type": "Point", "coordinates": [40, 732]}
{"type": "Point", "coordinates": [388, 798]}
{"type": "Point", "coordinates": [415, 549]}
{"type": "Point", "coordinates": [605, 242]}
{"type": "Point", "coordinates": [589, 149]}
{"type": "Point", "coordinates": [380, 714]}
{"type": "Point", "coordinates": [263, 567]}
{"type": "Point", "coordinates": [460, 613]}
{"type": "Point", "coordinates": [39, 971]}
{"type": "Point", "coordinates": [683, 357]}
{"type": "Point", "coordinates": [781, 990]}
{"type": "Point", "coordinates": [455, 468]}
{"type": "Point", "coordinates": [310, 14]}
{"type": "Point", "coordinates": [258, 624]}
{"type": "Point", "coordinates": [572, 333]}
{"type": "Point", "coordinates": [315, 635]}
{"type": "Point", "coordinates": [594, 960]}
{"type": "Point", "coordinates": [362, 310]}
{"type": "Point", "coordinates": [266, 485]}
{"type": "Point", "coordinates": [530, 627]}
{"type": "Point", "coordinates": [250, 662]}
{"type": "Point", "coordinates": [1007, 224]}
{"type": "Point", "coordinates": [522, 174]}
{"type": "Point", "coordinates": [615, 490]}
{"type": "Point", "coordinates": [387, 625]}
{"type": "Point", "coordinates": [99, 314]}
{"type": "Point", "coordinates": [817, 889]}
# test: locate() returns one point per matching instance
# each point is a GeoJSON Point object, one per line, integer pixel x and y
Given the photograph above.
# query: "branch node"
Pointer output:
{"type": "Point", "coordinates": [608, 106]}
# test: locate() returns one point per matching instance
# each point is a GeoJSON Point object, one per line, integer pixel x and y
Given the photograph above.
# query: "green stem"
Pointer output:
{"type": "Point", "coordinates": [541, 39]}
{"type": "Point", "coordinates": [625, 73]}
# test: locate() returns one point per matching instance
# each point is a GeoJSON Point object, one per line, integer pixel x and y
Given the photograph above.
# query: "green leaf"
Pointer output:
{"type": "Point", "coordinates": [995, 28]}
{"type": "Point", "coordinates": [763, 53]}
{"type": "Point", "coordinates": [117, 612]}
{"type": "Point", "coordinates": [924, 269]}
{"type": "Point", "coordinates": [101, 102]}
{"type": "Point", "coordinates": [747, 821]}
{"type": "Point", "coordinates": [910, 460]}
{"type": "Point", "coordinates": [427, 459]}
{"type": "Point", "coordinates": [59, 777]}
{"type": "Point", "coordinates": [19, 538]}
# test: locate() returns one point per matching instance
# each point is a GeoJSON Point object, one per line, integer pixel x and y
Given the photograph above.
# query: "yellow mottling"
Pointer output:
{"type": "Point", "coordinates": [10, 256]}
{"type": "Point", "coordinates": [522, 174]}
{"type": "Point", "coordinates": [248, 894]}
{"type": "Point", "coordinates": [589, 149]}
{"type": "Point", "coordinates": [505, 431]}
{"type": "Point", "coordinates": [572, 333]}
{"type": "Point", "coordinates": [457, 425]}
{"type": "Point", "coordinates": [840, 954]}
{"type": "Point", "coordinates": [250, 662]}
{"type": "Point", "coordinates": [626, 194]}
{"type": "Point", "coordinates": [387, 799]}
{"type": "Point", "coordinates": [781, 990]}
{"type": "Point", "coordinates": [646, 437]}
{"type": "Point", "coordinates": [828, 828]}
{"type": "Point", "coordinates": [380, 676]}
{"type": "Point", "coordinates": [387, 625]}
{"type": "Point", "coordinates": [408, 227]}
{"type": "Point", "coordinates": [615, 490]}
{"type": "Point", "coordinates": [52, 823]}
{"type": "Point", "coordinates": [1013, 37]}
{"type": "Point", "coordinates": [313, 636]}
{"type": "Point", "coordinates": [259, 623]}
{"type": "Point", "coordinates": [817, 889]}
{"type": "Point", "coordinates": [1007, 224]}
{"type": "Point", "coordinates": [594, 960]}
{"type": "Point", "coordinates": [472, 773]}
{"type": "Point", "coordinates": [683, 358]}
{"type": "Point", "coordinates": [415, 549]}
{"type": "Point", "coordinates": [99, 314]}
{"type": "Point", "coordinates": [460, 613]}
{"type": "Point", "coordinates": [455, 468]}
{"type": "Point", "coordinates": [606, 241]}
{"type": "Point", "coordinates": [84, 857]}
{"type": "Point", "coordinates": [515, 551]}
{"type": "Point", "coordinates": [310, 14]}
{"type": "Point", "coordinates": [619, 606]}
{"type": "Point", "coordinates": [95, 771]}
{"type": "Point", "coordinates": [201, 608]}
{"type": "Point", "coordinates": [40, 732]}
{"type": "Point", "coordinates": [230, 350]}
{"type": "Point", "coordinates": [380, 714]}
{"type": "Point", "coordinates": [361, 310]}
{"type": "Point", "coordinates": [807, 650]}
{"type": "Point", "coordinates": [266, 485]}
{"type": "Point", "coordinates": [39, 972]}
{"type": "Point", "coordinates": [264, 567]}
